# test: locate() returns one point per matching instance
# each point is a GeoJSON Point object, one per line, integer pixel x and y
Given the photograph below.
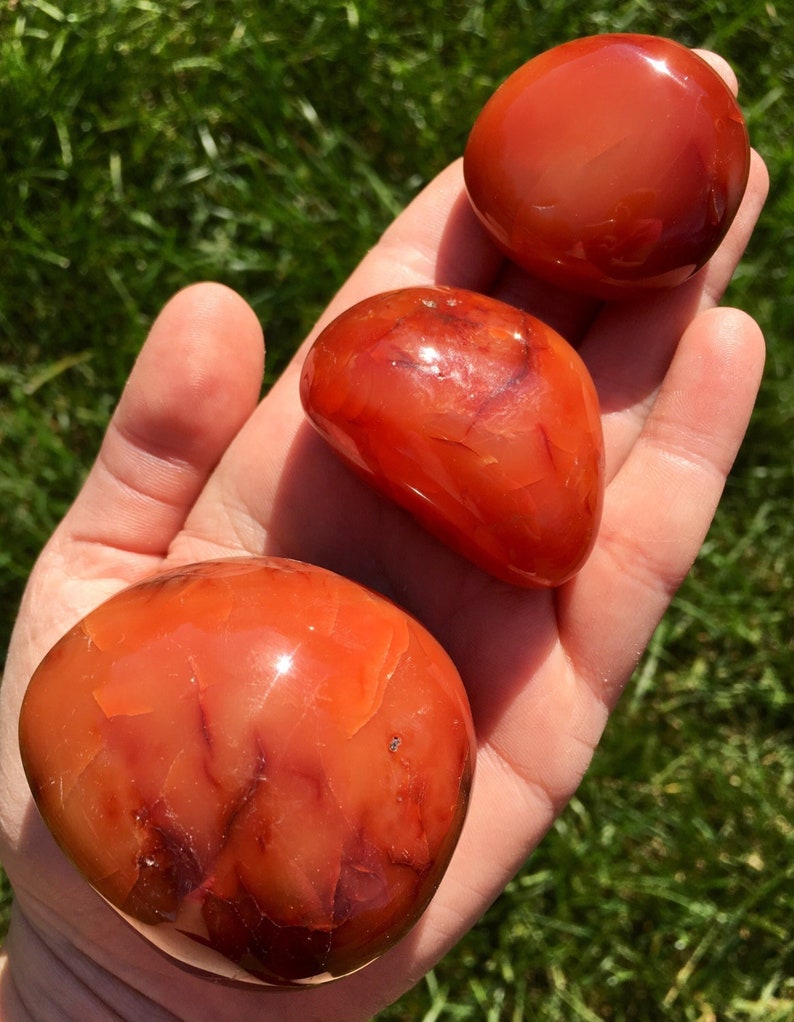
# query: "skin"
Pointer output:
{"type": "Point", "coordinates": [192, 467]}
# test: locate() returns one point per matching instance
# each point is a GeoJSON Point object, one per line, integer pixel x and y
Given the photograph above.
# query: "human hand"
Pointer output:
{"type": "Point", "coordinates": [193, 468]}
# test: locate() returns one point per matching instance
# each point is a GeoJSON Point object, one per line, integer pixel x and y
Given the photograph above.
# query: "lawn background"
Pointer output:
{"type": "Point", "coordinates": [145, 145]}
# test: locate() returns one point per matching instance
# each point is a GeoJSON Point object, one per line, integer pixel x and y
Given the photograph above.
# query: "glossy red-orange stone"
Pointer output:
{"type": "Point", "coordinates": [477, 418]}
{"type": "Point", "coordinates": [263, 766]}
{"type": "Point", "coordinates": [610, 164]}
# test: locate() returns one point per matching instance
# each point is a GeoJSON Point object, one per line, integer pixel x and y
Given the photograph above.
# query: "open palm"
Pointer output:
{"type": "Point", "coordinates": [193, 467]}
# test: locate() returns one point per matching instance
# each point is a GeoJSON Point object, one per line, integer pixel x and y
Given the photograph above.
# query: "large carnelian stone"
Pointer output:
{"type": "Point", "coordinates": [476, 417]}
{"type": "Point", "coordinates": [263, 766]}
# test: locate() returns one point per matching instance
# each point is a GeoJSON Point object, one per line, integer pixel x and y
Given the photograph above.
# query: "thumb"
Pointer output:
{"type": "Point", "coordinates": [196, 381]}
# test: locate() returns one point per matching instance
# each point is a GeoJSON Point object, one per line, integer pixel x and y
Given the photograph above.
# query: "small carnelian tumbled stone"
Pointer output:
{"type": "Point", "coordinates": [479, 419]}
{"type": "Point", "coordinates": [611, 165]}
{"type": "Point", "coordinates": [263, 766]}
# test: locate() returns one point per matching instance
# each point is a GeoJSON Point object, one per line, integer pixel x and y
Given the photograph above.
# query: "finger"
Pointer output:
{"type": "Point", "coordinates": [194, 384]}
{"type": "Point", "coordinates": [660, 505]}
{"type": "Point", "coordinates": [722, 67]}
{"type": "Point", "coordinates": [718, 272]}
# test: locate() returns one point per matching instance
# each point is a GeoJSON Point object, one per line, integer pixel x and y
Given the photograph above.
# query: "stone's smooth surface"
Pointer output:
{"type": "Point", "coordinates": [609, 164]}
{"type": "Point", "coordinates": [265, 767]}
{"type": "Point", "coordinates": [477, 418]}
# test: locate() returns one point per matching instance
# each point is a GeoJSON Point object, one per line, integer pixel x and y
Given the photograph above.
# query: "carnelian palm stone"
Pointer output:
{"type": "Point", "coordinates": [262, 765]}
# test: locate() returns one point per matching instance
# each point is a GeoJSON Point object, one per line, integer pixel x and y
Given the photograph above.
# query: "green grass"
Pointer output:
{"type": "Point", "coordinates": [144, 145]}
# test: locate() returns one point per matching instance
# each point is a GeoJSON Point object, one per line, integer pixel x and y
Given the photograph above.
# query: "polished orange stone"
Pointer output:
{"type": "Point", "coordinates": [612, 164]}
{"type": "Point", "coordinates": [476, 417]}
{"type": "Point", "coordinates": [263, 766]}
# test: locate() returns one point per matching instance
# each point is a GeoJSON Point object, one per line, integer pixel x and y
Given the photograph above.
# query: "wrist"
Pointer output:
{"type": "Point", "coordinates": [44, 977]}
